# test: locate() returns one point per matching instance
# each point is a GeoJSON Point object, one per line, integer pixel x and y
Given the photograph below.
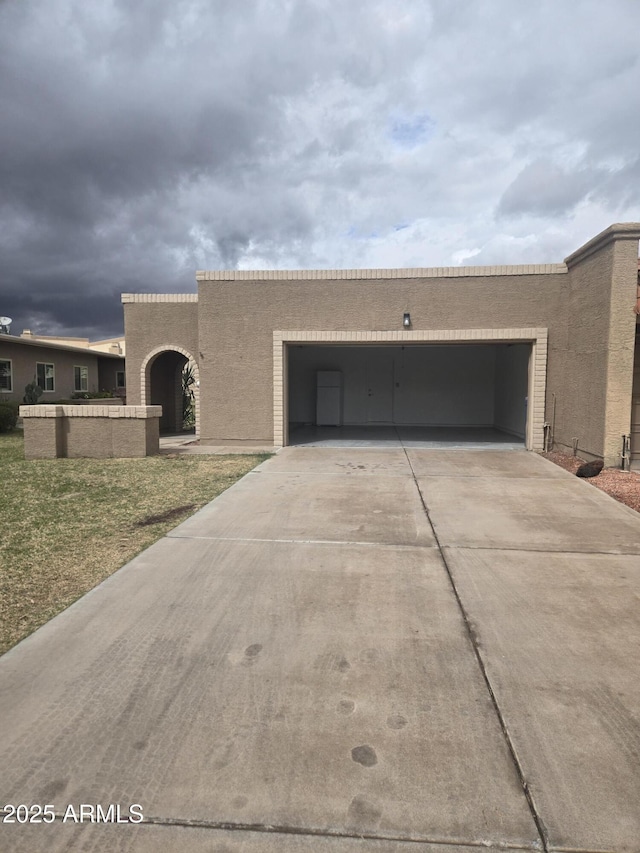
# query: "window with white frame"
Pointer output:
{"type": "Point", "coordinates": [80, 378]}
{"type": "Point", "coordinates": [45, 376]}
{"type": "Point", "coordinates": [6, 375]}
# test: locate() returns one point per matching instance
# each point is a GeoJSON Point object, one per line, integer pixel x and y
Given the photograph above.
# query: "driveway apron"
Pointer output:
{"type": "Point", "coordinates": [350, 649]}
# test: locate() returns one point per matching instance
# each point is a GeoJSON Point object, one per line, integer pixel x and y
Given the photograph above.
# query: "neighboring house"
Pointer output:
{"type": "Point", "coordinates": [114, 346]}
{"type": "Point", "coordinates": [59, 369]}
{"type": "Point", "coordinates": [533, 350]}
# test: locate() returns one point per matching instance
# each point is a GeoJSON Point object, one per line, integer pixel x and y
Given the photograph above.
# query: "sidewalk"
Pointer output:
{"type": "Point", "coordinates": [188, 443]}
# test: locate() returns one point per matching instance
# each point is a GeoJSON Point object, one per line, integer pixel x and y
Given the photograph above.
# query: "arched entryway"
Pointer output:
{"type": "Point", "coordinates": [161, 380]}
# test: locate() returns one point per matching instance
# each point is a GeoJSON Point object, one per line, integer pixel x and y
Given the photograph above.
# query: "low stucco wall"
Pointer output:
{"type": "Point", "coordinates": [90, 431]}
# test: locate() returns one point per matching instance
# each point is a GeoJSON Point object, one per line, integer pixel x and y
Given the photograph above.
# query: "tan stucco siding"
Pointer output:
{"type": "Point", "coordinates": [90, 431]}
{"type": "Point", "coordinates": [620, 366]}
{"type": "Point", "coordinates": [153, 326]}
{"type": "Point", "coordinates": [241, 316]}
{"type": "Point", "coordinates": [580, 373]}
{"type": "Point", "coordinates": [581, 312]}
{"type": "Point", "coordinates": [593, 372]}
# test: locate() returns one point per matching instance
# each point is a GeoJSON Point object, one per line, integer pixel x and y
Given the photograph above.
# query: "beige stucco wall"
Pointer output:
{"type": "Point", "coordinates": [585, 305]}
{"type": "Point", "coordinates": [241, 317]}
{"type": "Point", "coordinates": [154, 323]}
{"type": "Point", "coordinates": [635, 406]}
{"type": "Point", "coordinates": [593, 374]}
{"type": "Point", "coordinates": [97, 432]}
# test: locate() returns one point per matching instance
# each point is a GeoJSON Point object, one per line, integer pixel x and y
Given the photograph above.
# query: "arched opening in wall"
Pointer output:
{"type": "Point", "coordinates": [170, 379]}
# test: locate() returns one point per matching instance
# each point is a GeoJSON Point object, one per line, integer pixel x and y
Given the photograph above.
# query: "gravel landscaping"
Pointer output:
{"type": "Point", "coordinates": [624, 486]}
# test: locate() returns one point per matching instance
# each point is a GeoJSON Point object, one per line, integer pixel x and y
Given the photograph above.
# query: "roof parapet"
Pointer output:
{"type": "Point", "coordinates": [619, 231]}
{"type": "Point", "coordinates": [158, 297]}
{"type": "Point", "coordinates": [413, 272]}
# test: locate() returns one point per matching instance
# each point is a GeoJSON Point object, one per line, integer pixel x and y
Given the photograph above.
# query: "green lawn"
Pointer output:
{"type": "Point", "coordinates": [69, 523]}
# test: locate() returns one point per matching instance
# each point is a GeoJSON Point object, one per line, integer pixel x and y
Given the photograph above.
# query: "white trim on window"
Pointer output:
{"type": "Point", "coordinates": [80, 377]}
{"type": "Point", "coordinates": [46, 378]}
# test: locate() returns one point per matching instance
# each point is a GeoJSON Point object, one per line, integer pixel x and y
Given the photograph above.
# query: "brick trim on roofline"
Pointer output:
{"type": "Point", "coordinates": [413, 272]}
{"type": "Point", "coordinates": [127, 298]}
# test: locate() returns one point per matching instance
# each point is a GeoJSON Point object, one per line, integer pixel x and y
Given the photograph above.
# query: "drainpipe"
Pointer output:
{"type": "Point", "coordinates": [626, 453]}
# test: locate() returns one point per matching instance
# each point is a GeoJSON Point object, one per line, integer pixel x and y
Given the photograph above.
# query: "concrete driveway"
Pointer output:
{"type": "Point", "coordinates": [349, 650]}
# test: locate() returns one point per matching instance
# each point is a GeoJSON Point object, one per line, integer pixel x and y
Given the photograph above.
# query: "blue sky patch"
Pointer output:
{"type": "Point", "coordinates": [411, 131]}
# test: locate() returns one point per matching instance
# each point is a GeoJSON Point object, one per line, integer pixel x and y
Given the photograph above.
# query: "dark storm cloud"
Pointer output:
{"type": "Point", "coordinates": [141, 141]}
{"type": "Point", "coordinates": [105, 125]}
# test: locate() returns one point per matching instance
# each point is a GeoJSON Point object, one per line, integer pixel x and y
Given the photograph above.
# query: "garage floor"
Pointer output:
{"type": "Point", "coordinates": [349, 650]}
{"type": "Point", "coordinates": [470, 438]}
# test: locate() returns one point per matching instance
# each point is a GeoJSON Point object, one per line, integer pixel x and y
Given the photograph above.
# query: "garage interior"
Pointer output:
{"type": "Point", "coordinates": [438, 394]}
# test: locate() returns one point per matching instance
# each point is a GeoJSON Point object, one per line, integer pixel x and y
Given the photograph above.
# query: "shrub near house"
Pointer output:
{"type": "Point", "coordinates": [8, 415]}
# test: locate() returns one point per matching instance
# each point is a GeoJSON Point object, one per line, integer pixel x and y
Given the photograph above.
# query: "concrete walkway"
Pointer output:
{"type": "Point", "coordinates": [349, 650]}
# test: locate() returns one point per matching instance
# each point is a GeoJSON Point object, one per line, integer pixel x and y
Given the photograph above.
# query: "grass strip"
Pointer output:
{"type": "Point", "coordinates": [67, 524]}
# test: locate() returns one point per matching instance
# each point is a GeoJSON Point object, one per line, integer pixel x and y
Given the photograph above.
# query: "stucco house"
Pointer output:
{"type": "Point", "coordinates": [58, 367]}
{"type": "Point", "coordinates": [542, 352]}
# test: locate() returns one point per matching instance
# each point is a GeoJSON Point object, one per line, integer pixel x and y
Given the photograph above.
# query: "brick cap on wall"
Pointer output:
{"type": "Point", "coordinates": [413, 272]}
{"type": "Point", "coordinates": [158, 297]}
{"type": "Point", "coordinates": [53, 411]}
{"type": "Point", "coordinates": [619, 231]}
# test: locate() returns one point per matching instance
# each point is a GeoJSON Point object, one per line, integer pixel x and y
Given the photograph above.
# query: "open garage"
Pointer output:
{"type": "Point", "coordinates": [472, 391]}
{"type": "Point", "coordinates": [541, 353]}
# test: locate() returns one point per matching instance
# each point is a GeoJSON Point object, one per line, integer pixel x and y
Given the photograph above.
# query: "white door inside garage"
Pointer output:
{"type": "Point", "coordinates": [438, 386]}
{"type": "Point", "coordinates": [379, 379]}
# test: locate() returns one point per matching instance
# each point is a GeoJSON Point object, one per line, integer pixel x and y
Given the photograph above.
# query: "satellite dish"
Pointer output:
{"type": "Point", "coordinates": [5, 323]}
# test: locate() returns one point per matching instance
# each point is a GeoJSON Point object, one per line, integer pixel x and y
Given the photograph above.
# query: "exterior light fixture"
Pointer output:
{"type": "Point", "coordinates": [406, 320]}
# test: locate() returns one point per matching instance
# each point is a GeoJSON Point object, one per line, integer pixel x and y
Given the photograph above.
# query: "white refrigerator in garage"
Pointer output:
{"type": "Point", "coordinates": [329, 398]}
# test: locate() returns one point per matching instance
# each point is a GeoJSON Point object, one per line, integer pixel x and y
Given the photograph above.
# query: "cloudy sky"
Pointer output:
{"type": "Point", "coordinates": [140, 141]}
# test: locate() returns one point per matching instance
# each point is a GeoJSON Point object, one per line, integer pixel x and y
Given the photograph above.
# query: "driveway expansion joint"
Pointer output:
{"type": "Point", "coordinates": [352, 473]}
{"type": "Point", "coordinates": [351, 542]}
{"type": "Point", "coordinates": [523, 550]}
{"type": "Point", "coordinates": [445, 475]}
{"type": "Point", "coordinates": [284, 829]}
{"type": "Point", "coordinates": [537, 819]}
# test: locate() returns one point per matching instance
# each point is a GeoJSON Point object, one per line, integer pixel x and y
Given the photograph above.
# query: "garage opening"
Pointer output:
{"type": "Point", "coordinates": [447, 394]}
